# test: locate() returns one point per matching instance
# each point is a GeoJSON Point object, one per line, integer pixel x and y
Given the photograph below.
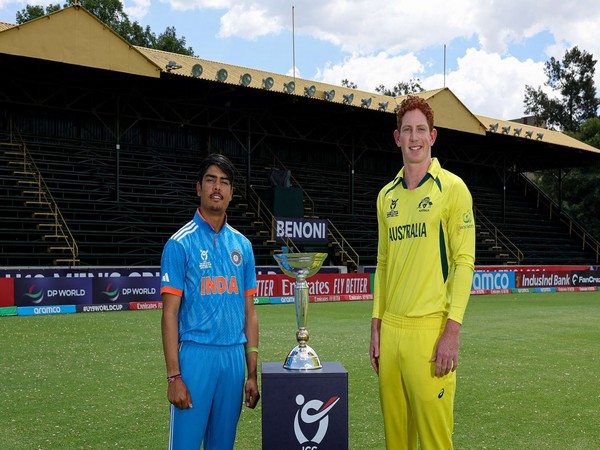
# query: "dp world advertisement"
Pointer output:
{"type": "Point", "coordinates": [81, 291]}
{"type": "Point", "coordinates": [52, 291]}
{"type": "Point", "coordinates": [38, 291]}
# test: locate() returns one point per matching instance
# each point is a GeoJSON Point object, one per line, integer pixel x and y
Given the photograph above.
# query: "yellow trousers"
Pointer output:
{"type": "Point", "coordinates": [417, 406]}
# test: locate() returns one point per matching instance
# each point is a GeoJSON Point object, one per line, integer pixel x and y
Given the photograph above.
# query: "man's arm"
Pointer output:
{"type": "Point", "coordinates": [374, 347]}
{"type": "Point", "coordinates": [251, 330]}
{"type": "Point", "coordinates": [462, 243]}
{"type": "Point", "coordinates": [446, 352]}
{"type": "Point", "coordinates": [177, 391]}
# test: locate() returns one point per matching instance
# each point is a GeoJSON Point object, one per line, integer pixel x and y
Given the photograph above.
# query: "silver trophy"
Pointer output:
{"type": "Point", "coordinates": [301, 266]}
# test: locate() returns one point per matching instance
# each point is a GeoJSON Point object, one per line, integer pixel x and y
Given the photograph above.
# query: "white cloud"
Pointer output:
{"type": "Point", "coordinates": [188, 5]}
{"type": "Point", "coordinates": [294, 72]}
{"type": "Point", "coordinates": [368, 72]}
{"type": "Point", "coordinates": [487, 83]}
{"type": "Point", "coordinates": [138, 11]}
{"type": "Point", "coordinates": [18, 5]}
{"type": "Point", "coordinates": [356, 27]}
{"type": "Point", "coordinates": [249, 22]}
{"type": "Point", "coordinates": [491, 85]}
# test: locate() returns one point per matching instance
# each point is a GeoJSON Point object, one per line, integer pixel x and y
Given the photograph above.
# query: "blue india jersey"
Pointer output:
{"type": "Point", "coordinates": [212, 273]}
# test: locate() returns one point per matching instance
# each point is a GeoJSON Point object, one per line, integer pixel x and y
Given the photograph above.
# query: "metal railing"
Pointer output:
{"type": "Point", "coordinates": [349, 255]}
{"type": "Point", "coordinates": [265, 215]}
{"type": "Point", "coordinates": [575, 229]}
{"type": "Point", "coordinates": [499, 239]}
{"type": "Point", "coordinates": [44, 197]}
{"type": "Point", "coordinates": [311, 203]}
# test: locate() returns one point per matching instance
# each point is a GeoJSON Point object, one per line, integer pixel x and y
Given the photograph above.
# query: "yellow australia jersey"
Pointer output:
{"type": "Point", "coordinates": [426, 248]}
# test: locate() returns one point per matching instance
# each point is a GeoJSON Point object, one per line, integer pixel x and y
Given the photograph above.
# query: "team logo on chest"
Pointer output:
{"type": "Point", "coordinates": [236, 257]}
{"type": "Point", "coordinates": [425, 204]}
{"type": "Point", "coordinates": [392, 212]}
{"type": "Point", "coordinates": [204, 262]}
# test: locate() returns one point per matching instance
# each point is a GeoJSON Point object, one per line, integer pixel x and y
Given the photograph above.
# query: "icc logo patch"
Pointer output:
{"type": "Point", "coordinates": [392, 212]}
{"type": "Point", "coordinates": [204, 263]}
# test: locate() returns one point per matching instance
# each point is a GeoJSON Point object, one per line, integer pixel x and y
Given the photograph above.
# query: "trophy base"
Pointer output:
{"type": "Point", "coordinates": [302, 358]}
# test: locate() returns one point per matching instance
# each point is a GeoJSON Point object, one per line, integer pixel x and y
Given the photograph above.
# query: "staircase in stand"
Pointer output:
{"type": "Point", "coordinates": [38, 198]}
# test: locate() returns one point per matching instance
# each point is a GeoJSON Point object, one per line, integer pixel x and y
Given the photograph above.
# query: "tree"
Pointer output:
{"type": "Point", "coordinates": [574, 110]}
{"type": "Point", "coordinates": [31, 12]}
{"type": "Point", "coordinates": [573, 80]}
{"type": "Point", "coordinates": [169, 42]}
{"type": "Point", "coordinates": [581, 188]}
{"type": "Point", "coordinates": [349, 84]}
{"type": "Point", "coordinates": [111, 13]}
{"type": "Point", "coordinates": [136, 35]}
{"type": "Point", "coordinates": [590, 132]}
{"type": "Point", "coordinates": [402, 88]}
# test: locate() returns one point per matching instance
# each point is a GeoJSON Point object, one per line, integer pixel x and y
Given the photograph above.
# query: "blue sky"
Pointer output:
{"type": "Point", "coordinates": [493, 48]}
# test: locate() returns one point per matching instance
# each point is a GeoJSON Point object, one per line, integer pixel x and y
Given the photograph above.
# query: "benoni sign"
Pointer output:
{"type": "Point", "coordinates": [300, 230]}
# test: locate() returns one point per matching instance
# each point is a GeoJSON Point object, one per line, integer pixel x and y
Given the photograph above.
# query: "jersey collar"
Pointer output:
{"type": "Point", "coordinates": [201, 221]}
{"type": "Point", "coordinates": [432, 172]}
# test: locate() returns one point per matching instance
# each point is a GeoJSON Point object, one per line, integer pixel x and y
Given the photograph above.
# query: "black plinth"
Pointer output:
{"type": "Point", "coordinates": [304, 409]}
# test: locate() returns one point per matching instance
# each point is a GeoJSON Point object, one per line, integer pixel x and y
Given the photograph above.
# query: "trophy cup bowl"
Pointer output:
{"type": "Point", "coordinates": [301, 266]}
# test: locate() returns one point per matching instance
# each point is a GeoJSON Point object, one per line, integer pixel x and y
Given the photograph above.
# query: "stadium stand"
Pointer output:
{"type": "Point", "coordinates": [156, 197]}
{"type": "Point", "coordinates": [529, 235]}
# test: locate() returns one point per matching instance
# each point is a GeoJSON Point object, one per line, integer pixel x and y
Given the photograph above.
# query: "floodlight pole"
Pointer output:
{"type": "Point", "coordinates": [293, 45]}
{"type": "Point", "coordinates": [444, 65]}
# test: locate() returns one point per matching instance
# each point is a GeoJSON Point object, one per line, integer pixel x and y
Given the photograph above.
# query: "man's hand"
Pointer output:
{"type": "Point", "coordinates": [252, 394]}
{"type": "Point", "coordinates": [374, 347]}
{"type": "Point", "coordinates": [446, 352]}
{"type": "Point", "coordinates": [178, 394]}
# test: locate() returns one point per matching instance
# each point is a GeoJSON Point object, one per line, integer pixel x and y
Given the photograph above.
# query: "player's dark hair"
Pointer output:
{"type": "Point", "coordinates": [413, 102]}
{"type": "Point", "coordinates": [221, 161]}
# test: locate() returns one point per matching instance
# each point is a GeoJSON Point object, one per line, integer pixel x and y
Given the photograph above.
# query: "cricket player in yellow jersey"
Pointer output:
{"type": "Point", "coordinates": [425, 263]}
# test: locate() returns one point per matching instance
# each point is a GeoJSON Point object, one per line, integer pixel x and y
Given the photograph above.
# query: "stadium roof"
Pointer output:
{"type": "Point", "coordinates": [74, 36]}
{"type": "Point", "coordinates": [449, 111]}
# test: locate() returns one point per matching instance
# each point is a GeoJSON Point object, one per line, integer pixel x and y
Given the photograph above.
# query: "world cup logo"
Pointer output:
{"type": "Point", "coordinates": [311, 412]}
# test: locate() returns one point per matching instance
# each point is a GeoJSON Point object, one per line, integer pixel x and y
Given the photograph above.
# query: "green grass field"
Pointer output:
{"type": "Point", "coordinates": [529, 375]}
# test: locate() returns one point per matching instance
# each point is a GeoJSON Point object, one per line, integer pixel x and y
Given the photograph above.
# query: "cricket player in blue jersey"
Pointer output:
{"type": "Point", "coordinates": [209, 322]}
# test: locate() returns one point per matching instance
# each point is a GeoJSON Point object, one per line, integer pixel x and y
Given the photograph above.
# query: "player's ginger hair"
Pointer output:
{"type": "Point", "coordinates": [412, 102]}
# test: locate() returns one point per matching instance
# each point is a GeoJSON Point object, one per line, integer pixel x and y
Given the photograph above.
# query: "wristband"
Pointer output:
{"type": "Point", "coordinates": [251, 349]}
{"type": "Point", "coordinates": [173, 378]}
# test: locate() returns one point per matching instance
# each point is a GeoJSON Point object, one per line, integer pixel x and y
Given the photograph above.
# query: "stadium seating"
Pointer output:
{"type": "Point", "coordinates": [122, 214]}
{"type": "Point", "coordinates": [523, 226]}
